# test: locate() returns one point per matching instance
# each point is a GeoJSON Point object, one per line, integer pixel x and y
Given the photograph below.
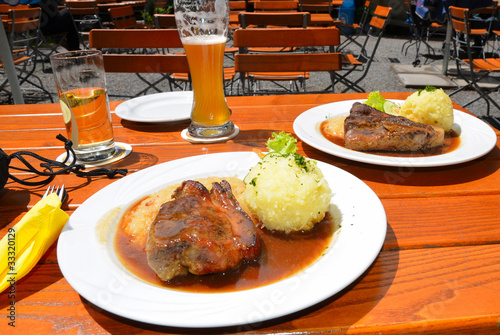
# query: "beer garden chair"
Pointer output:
{"type": "Point", "coordinates": [141, 62]}
{"type": "Point", "coordinates": [167, 21]}
{"type": "Point", "coordinates": [164, 21]}
{"type": "Point", "coordinates": [474, 70]}
{"type": "Point", "coordinates": [272, 20]}
{"type": "Point", "coordinates": [22, 27]}
{"type": "Point", "coordinates": [123, 17]}
{"type": "Point", "coordinates": [85, 16]}
{"type": "Point", "coordinates": [418, 31]}
{"type": "Point", "coordinates": [322, 11]}
{"type": "Point", "coordinates": [359, 28]}
{"type": "Point", "coordinates": [362, 62]}
{"type": "Point", "coordinates": [270, 66]}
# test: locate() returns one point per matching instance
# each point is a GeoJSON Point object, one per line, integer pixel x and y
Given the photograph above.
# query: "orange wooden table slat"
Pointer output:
{"type": "Point", "coordinates": [432, 290]}
{"type": "Point", "coordinates": [438, 271]}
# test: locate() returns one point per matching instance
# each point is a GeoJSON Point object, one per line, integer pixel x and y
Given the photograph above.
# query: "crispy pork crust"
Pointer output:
{"type": "Point", "coordinates": [201, 232]}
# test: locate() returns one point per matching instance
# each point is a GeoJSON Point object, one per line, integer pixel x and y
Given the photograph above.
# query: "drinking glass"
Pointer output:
{"type": "Point", "coordinates": [203, 29]}
{"type": "Point", "coordinates": [81, 87]}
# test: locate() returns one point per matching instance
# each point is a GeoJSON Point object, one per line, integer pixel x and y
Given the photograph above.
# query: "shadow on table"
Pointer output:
{"type": "Point", "coordinates": [413, 176]}
{"type": "Point", "coordinates": [14, 201]}
{"type": "Point", "coordinates": [38, 279]}
{"type": "Point", "coordinates": [135, 161]}
{"type": "Point", "coordinates": [161, 127]}
{"type": "Point", "coordinates": [353, 302]}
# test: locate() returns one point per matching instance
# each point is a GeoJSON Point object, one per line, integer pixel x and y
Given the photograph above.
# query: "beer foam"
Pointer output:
{"type": "Point", "coordinates": [202, 17]}
{"type": "Point", "coordinates": [204, 40]}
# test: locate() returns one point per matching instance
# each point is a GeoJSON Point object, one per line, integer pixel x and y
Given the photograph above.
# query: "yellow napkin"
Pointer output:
{"type": "Point", "coordinates": [24, 244]}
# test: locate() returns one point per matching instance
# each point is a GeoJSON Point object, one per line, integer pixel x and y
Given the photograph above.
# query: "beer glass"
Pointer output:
{"type": "Point", "coordinates": [203, 29]}
{"type": "Point", "coordinates": [81, 87]}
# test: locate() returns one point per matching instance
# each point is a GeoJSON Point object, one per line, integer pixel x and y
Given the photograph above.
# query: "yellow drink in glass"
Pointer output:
{"type": "Point", "coordinates": [203, 29]}
{"type": "Point", "coordinates": [81, 86]}
{"type": "Point", "coordinates": [205, 57]}
{"type": "Point", "coordinates": [86, 117]}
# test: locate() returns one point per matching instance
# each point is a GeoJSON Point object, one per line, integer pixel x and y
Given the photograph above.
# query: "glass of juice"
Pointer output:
{"type": "Point", "coordinates": [203, 28]}
{"type": "Point", "coordinates": [81, 87]}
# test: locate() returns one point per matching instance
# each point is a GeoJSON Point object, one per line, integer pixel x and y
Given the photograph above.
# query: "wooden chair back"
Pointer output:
{"type": "Point", "coordinates": [22, 27]}
{"type": "Point", "coordinates": [19, 20]}
{"type": "Point", "coordinates": [284, 19]}
{"type": "Point", "coordinates": [123, 17]}
{"type": "Point", "coordinates": [315, 6]}
{"type": "Point", "coordinates": [459, 19]}
{"type": "Point", "coordinates": [463, 32]}
{"type": "Point", "coordinates": [286, 62]}
{"type": "Point", "coordinates": [4, 9]}
{"type": "Point", "coordinates": [164, 21]}
{"type": "Point", "coordinates": [276, 6]}
{"type": "Point", "coordinates": [140, 38]}
{"type": "Point", "coordinates": [474, 66]}
{"type": "Point", "coordinates": [160, 4]}
{"type": "Point", "coordinates": [237, 6]}
{"type": "Point", "coordinates": [79, 8]}
{"type": "Point", "coordinates": [380, 16]}
{"type": "Point", "coordinates": [377, 25]}
{"type": "Point", "coordinates": [293, 37]}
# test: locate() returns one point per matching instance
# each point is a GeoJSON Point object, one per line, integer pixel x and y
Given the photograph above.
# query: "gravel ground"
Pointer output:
{"type": "Point", "coordinates": [380, 76]}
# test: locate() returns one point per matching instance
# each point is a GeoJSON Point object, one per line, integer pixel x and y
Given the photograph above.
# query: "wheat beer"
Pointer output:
{"type": "Point", "coordinates": [86, 118]}
{"type": "Point", "coordinates": [203, 29]}
{"type": "Point", "coordinates": [206, 56]}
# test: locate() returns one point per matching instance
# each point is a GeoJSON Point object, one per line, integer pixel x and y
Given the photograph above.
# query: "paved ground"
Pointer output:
{"type": "Point", "coordinates": [381, 76]}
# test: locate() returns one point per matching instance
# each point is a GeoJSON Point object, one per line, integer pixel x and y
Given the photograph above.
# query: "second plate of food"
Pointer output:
{"type": "Point", "coordinates": [476, 138]}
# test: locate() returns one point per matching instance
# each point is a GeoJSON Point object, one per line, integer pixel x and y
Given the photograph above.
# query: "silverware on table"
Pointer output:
{"type": "Point", "coordinates": [59, 190]}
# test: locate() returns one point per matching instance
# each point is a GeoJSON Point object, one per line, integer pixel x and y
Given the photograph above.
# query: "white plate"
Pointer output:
{"type": "Point", "coordinates": [155, 108]}
{"type": "Point", "coordinates": [93, 270]}
{"type": "Point", "coordinates": [476, 138]}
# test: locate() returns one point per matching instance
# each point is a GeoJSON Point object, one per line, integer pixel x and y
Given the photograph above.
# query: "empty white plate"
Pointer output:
{"type": "Point", "coordinates": [156, 108]}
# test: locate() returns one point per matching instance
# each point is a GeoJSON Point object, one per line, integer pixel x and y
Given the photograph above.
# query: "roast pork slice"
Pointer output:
{"type": "Point", "coordinates": [367, 128]}
{"type": "Point", "coordinates": [201, 232]}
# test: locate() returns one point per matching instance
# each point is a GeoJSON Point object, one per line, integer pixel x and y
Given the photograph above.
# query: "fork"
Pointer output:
{"type": "Point", "coordinates": [59, 190]}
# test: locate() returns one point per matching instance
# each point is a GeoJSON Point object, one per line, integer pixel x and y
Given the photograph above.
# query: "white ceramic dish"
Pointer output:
{"type": "Point", "coordinates": [157, 108]}
{"type": "Point", "coordinates": [93, 270]}
{"type": "Point", "coordinates": [476, 138]}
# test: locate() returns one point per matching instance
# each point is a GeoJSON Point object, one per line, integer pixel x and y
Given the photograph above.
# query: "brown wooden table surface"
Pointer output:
{"type": "Point", "coordinates": [438, 271]}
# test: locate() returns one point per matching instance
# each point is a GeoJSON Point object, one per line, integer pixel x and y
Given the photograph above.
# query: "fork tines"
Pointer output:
{"type": "Point", "coordinates": [59, 190]}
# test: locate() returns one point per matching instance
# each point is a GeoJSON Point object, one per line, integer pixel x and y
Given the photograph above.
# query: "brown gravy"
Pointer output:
{"type": "Point", "coordinates": [282, 255]}
{"type": "Point", "coordinates": [451, 143]}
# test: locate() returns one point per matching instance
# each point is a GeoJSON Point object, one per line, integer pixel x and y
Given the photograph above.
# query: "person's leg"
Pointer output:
{"type": "Point", "coordinates": [62, 22]}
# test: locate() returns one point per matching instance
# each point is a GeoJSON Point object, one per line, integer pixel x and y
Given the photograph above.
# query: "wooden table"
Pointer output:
{"type": "Point", "coordinates": [438, 271]}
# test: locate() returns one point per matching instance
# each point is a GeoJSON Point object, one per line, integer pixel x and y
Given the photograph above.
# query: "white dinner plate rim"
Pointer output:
{"type": "Point", "coordinates": [127, 109]}
{"type": "Point", "coordinates": [90, 268]}
{"type": "Point", "coordinates": [477, 138]}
